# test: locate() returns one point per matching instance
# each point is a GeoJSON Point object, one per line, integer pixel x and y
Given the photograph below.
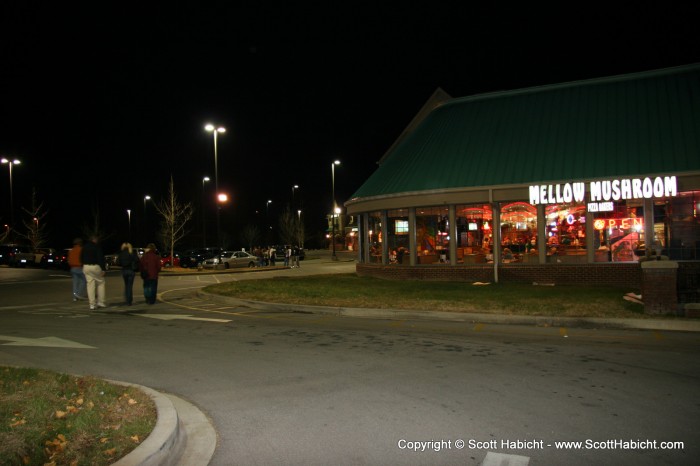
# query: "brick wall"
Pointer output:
{"type": "Point", "coordinates": [659, 287]}
{"type": "Point", "coordinates": [623, 275]}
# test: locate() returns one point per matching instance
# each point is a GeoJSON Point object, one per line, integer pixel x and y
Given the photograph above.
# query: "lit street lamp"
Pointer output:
{"type": "Point", "coordinates": [216, 130]}
{"type": "Point", "coordinates": [294, 188]}
{"type": "Point", "coordinates": [10, 163]}
{"type": "Point", "coordinates": [128, 213]}
{"type": "Point", "coordinates": [335, 208]}
{"type": "Point", "coordinates": [267, 214]}
{"type": "Point", "coordinates": [146, 198]}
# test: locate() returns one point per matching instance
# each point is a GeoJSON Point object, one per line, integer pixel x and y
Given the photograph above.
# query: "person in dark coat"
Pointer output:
{"type": "Point", "coordinates": [150, 268]}
{"type": "Point", "coordinates": [129, 262]}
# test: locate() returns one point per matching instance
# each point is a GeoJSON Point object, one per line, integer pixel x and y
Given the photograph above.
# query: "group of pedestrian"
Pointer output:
{"type": "Point", "coordinates": [291, 256]}
{"type": "Point", "coordinates": [267, 256]}
{"type": "Point", "coordinates": [88, 268]}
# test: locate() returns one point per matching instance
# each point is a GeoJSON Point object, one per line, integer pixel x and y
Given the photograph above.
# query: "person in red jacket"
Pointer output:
{"type": "Point", "coordinates": [150, 268]}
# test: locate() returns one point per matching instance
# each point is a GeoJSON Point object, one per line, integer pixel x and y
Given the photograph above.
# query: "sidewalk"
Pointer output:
{"type": "Point", "coordinates": [679, 324]}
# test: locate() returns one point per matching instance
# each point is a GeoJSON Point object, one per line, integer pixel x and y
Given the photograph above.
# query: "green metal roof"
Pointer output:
{"type": "Point", "coordinates": [643, 123]}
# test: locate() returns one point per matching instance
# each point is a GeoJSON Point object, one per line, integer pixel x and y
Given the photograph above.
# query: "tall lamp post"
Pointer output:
{"type": "Point", "coordinates": [146, 198]}
{"type": "Point", "coordinates": [294, 188]}
{"type": "Point", "coordinates": [267, 218]}
{"type": "Point", "coordinates": [335, 208]}
{"type": "Point", "coordinates": [128, 214]}
{"type": "Point", "coordinates": [216, 130]}
{"type": "Point", "coordinates": [10, 163]}
{"type": "Point", "coordinates": [204, 221]}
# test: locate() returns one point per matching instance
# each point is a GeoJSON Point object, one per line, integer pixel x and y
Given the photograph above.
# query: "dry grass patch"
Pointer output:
{"type": "Point", "coordinates": [56, 419]}
{"type": "Point", "coordinates": [350, 290]}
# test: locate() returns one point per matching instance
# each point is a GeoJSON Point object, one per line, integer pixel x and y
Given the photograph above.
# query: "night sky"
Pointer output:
{"type": "Point", "coordinates": [103, 105]}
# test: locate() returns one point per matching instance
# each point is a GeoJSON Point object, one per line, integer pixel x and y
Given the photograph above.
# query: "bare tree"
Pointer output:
{"type": "Point", "coordinates": [250, 235]}
{"type": "Point", "coordinates": [34, 224]}
{"type": "Point", "coordinates": [95, 230]}
{"type": "Point", "coordinates": [5, 234]}
{"type": "Point", "coordinates": [175, 217]}
{"type": "Point", "coordinates": [300, 232]}
{"type": "Point", "coordinates": [291, 228]}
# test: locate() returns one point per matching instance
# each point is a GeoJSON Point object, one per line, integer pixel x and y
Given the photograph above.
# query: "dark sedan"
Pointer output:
{"type": "Point", "coordinates": [195, 257]}
{"type": "Point", "coordinates": [55, 259]}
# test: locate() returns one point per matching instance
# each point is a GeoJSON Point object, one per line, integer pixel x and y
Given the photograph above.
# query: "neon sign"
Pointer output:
{"type": "Point", "coordinates": [621, 223]}
{"type": "Point", "coordinates": [605, 191]}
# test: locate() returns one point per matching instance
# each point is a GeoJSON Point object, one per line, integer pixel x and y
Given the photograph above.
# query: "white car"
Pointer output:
{"type": "Point", "coordinates": [230, 259]}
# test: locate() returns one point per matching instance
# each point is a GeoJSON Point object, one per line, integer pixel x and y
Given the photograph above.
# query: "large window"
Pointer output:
{"type": "Point", "coordinates": [518, 232]}
{"type": "Point", "coordinates": [620, 232]}
{"type": "Point", "coordinates": [398, 235]}
{"type": "Point", "coordinates": [566, 232]}
{"type": "Point", "coordinates": [474, 233]}
{"type": "Point", "coordinates": [374, 230]}
{"type": "Point", "coordinates": [432, 235]}
{"type": "Point", "coordinates": [677, 227]}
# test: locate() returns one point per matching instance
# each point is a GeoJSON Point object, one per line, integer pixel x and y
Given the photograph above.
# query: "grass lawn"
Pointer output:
{"type": "Point", "coordinates": [56, 419]}
{"type": "Point", "coordinates": [350, 290]}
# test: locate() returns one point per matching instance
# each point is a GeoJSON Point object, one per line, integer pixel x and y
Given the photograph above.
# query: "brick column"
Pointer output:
{"type": "Point", "coordinates": [659, 287]}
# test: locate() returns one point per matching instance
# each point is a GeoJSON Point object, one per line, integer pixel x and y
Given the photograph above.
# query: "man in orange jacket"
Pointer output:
{"type": "Point", "coordinates": [76, 269]}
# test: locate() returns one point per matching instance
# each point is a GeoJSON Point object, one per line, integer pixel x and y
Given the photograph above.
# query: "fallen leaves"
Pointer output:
{"type": "Point", "coordinates": [18, 422]}
{"type": "Point", "coordinates": [70, 420]}
{"type": "Point", "coordinates": [55, 447]}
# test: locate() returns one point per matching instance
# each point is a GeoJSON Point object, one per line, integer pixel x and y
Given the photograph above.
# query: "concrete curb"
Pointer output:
{"type": "Point", "coordinates": [183, 435]}
{"type": "Point", "coordinates": [399, 314]}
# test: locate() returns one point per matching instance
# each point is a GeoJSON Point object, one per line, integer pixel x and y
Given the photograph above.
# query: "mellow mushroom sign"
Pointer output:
{"type": "Point", "coordinates": [602, 194]}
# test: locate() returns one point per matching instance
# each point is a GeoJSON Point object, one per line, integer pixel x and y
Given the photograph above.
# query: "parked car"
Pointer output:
{"type": "Point", "coordinates": [166, 262]}
{"type": "Point", "coordinates": [55, 259]}
{"type": "Point", "coordinates": [16, 255]}
{"type": "Point", "coordinates": [231, 259]}
{"type": "Point", "coordinates": [40, 252]}
{"type": "Point", "coordinates": [111, 260]}
{"type": "Point", "coordinates": [194, 257]}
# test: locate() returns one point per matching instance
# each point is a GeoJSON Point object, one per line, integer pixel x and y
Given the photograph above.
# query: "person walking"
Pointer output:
{"type": "Point", "coordinates": [295, 256]}
{"type": "Point", "coordinates": [76, 269]}
{"type": "Point", "coordinates": [94, 269]}
{"type": "Point", "coordinates": [272, 254]}
{"type": "Point", "coordinates": [287, 255]}
{"type": "Point", "coordinates": [150, 268]}
{"type": "Point", "coordinates": [129, 262]}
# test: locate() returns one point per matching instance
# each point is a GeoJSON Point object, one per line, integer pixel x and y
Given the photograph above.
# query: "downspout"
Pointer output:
{"type": "Point", "coordinates": [496, 242]}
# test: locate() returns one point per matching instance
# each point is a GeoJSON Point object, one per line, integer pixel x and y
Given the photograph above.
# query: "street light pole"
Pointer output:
{"type": "Point", "coordinates": [267, 215]}
{"type": "Point", "coordinates": [216, 130]}
{"type": "Point", "coordinates": [333, 212]}
{"type": "Point", "coordinates": [204, 221]}
{"type": "Point", "coordinates": [146, 198]}
{"type": "Point", "coordinates": [128, 213]}
{"type": "Point", "coordinates": [10, 163]}
{"type": "Point", "coordinates": [294, 188]}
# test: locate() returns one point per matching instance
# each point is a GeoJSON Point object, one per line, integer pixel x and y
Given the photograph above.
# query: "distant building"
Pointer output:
{"type": "Point", "coordinates": [573, 182]}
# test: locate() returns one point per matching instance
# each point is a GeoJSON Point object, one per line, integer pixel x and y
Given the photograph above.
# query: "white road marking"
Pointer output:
{"type": "Point", "coordinates": [48, 342]}
{"type": "Point", "coordinates": [180, 317]}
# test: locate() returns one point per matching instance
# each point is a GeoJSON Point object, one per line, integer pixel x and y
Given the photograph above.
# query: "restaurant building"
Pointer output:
{"type": "Point", "coordinates": [566, 183]}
